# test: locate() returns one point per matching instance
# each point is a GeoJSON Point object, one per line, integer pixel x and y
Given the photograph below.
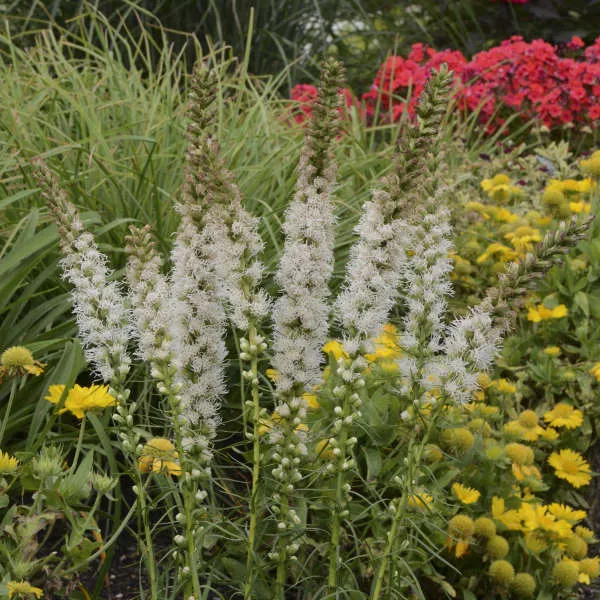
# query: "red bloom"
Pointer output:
{"type": "Point", "coordinates": [533, 78]}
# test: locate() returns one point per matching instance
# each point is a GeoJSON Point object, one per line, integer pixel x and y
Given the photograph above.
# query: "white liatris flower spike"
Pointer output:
{"type": "Point", "coordinates": [301, 314]}
{"type": "Point", "coordinates": [197, 328]}
{"type": "Point", "coordinates": [372, 276]}
{"type": "Point", "coordinates": [470, 345]}
{"type": "Point", "coordinates": [197, 317]}
{"type": "Point", "coordinates": [232, 233]}
{"type": "Point", "coordinates": [99, 308]}
{"type": "Point", "coordinates": [149, 293]}
{"type": "Point", "coordinates": [378, 258]}
{"type": "Point", "coordinates": [428, 283]}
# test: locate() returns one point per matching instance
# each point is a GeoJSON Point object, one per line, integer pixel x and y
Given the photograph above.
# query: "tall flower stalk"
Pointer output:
{"type": "Point", "coordinates": [149, 289]}
{"type": "Point", "coordinates": [104, 327]}
{"type": "Point", "coordinates": [301, 314]}
{"type": "Point", "coordinates": [377, 266]}
{"type": "Point", "coordinates": [233, 249]}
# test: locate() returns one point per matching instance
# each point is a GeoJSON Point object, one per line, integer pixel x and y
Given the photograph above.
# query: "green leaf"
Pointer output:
{"type": "Point", "coordinates": [374, 462]}
{"type": "Point", "coordinates": [581, 300]}
{"type": "Point", "coordinates": [235, 568]}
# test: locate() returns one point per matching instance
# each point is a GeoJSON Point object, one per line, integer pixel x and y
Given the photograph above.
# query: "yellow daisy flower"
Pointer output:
{"type": "Point", "coordinates": [324, 449]}
{"type": "Point", "coordinates": [335, 347]}
{"type": "Point", "coordinates": [579, 207]}
{"type": "Point", "coordinates": [570, 465]}
{"type": "Point", "coordinates": [522, 472]}
{"type": "Point", "coordinates": [386, 344]}
{"type": "Point", "coordinates": [536, 516]}
{"type": "Point", "coordinates": [499, 189]}
{"type": "Point", "coordinates": [595, 371]}
{"type": "Point", "coordinates": [17, 361]}
{"type": "Point", "coordinates": [565, 512]}
{"type": "Point", "coordinates": [549, 434]}
{"type": "Point", "coordinates": [419, 500]}
{"type": "Point", "coordinates": [495, 249]}
{"type": "Point", "coordinates": [311, 400]}
{"type": "Point", "coordinates": [510, 518]}
{"type": "Point", "coordinates": [591, 166]}
{"type": "Point", "coordinates": [465, 494]}
{"type": "Point", "coordinates": [589, 568]}
{"type": "Point", "coordinates": [552, 351]}
{"type": "Point", "coordinates": [80, 399]}
{"type": "Point", "coordinates": [273, 375]}
{"type": "Point", "coordinates": [23, 589]}
{"type": "Point", "coordinates": [572, 185]}
{"type": "Point", "coordinates": [159, 456]}
{"type": "Point", "coordinates": [8, 464]}
{"type": "Point", "coordinates": [504, 386]}
{"type": "Point", "coordinates": [541, 313]}
{"type": "Point", "coordinates": [564, 415]}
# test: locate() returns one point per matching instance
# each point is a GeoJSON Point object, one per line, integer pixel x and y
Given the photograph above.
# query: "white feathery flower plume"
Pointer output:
{"type": "Point", "coordinates": [373, 274]}
{"type": "Point", "coordinates": [301, 314]}
{"type": "Point", "coordinates": [99, 307]}
{"type": "Point", "coordinates": [149, 293]}
{"type": "Point", "coordinates": [233, 250]}
{"type": "Point", "coordinates": [197, 328]}
{"type": "Point", "coordinates": [212, 197]}
{"type": "Point", "coordinates": [428, 284]}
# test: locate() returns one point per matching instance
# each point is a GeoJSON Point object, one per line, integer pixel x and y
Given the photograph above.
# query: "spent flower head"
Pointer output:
{"type": "Point", "coordinates": [18, 361]}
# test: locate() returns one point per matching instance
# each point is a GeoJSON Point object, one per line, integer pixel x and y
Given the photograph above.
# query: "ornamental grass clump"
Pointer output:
{"type": "Point", "coordinates": [361, 416]}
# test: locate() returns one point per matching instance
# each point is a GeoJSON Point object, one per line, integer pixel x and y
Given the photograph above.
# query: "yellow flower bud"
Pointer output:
{"type": "Point", "coordinates": [461, 526]}
{"type": "Point", "coordinates": [497, 547]}
{"type": "Point", "coordinates": [523, 586]}
{"type": "Point", "coordinates": [485, 527]}
{"type": "Point", "coordinates": [502, 572]}
{"type": "Point", "coordinates": [566, 573]}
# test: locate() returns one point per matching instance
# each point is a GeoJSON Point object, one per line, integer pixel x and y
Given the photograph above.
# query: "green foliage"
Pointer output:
{"type": "Point", "coordinates": [115, 135]}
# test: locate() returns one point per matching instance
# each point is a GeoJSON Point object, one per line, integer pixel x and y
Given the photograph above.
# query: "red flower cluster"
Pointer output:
{"type": "Point", "coordinates": [405, 78]}
{"type": "Point", "coordinates": [305, 94]}
{"type": "Point", "coordinates": [535, 79]}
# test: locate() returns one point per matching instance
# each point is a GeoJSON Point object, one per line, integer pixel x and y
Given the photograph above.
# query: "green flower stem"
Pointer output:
{"type": "Point", "coordinates": [79, 444]}
{"type": "Point", "coordinates": [192, 585]}
{"type": "Point", "coordinates": [282, 549]}
{"type": "Point", "coordinates": [414, 463]}
{"type": "Point", "coordinates": [11, 398]}
{"type": "Point", "coordinates": [130, 439]}
{"type": "Point", "coordinates": [148, 547]}
{"type": "Point", "coordinates": [336, 519]}
{"type": "Point", "coordinates": [255, 465]}
{"type": "Point", "coordinates": [339, 501]}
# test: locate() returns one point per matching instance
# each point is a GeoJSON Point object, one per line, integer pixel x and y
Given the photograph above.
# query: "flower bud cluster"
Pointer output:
{"type": "Point", "coordinates": [348, 403]}
{"type": "Point", "coordinates": [249, 350]}
{"type": "Point", "coordinates": [124, 418]}
{"type": "Point", "coordinates": [289, 440]}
